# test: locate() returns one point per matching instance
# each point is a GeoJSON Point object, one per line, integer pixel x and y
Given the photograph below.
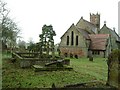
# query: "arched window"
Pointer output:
{"type": "Point", "coordinates": [76, 40]}
{"type": "Point", "coordinates": [72, 38]}
{"type": "Point", "coordinates": [67, 40]}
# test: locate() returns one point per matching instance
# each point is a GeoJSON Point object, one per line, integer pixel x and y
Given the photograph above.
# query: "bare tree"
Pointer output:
{"type": "Point", "coordinates": [8, 28]}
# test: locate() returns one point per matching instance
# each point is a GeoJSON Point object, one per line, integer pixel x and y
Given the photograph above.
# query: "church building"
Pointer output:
{"type": "Point", "coordinates": [86, 38]}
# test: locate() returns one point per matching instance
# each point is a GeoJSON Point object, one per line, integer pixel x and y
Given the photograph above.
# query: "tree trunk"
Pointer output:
{"type": "Point", "coordinates": [53, 51]}
{"type": "Point", "coordinates": [47, 48]}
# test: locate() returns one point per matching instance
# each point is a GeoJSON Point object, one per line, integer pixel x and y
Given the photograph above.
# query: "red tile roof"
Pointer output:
{"type": "Point", "coordinates": [98, 41]}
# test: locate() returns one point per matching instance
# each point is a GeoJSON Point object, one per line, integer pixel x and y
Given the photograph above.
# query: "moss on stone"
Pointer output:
{"type": "Point", "coordinates": [114, 55]}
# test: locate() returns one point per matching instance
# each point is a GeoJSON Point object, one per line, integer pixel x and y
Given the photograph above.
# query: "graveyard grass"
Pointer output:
{"type": "Point", "coordinates": [83, 71]}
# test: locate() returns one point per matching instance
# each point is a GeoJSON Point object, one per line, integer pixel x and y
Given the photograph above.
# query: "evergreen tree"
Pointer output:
{"type": "Point", "coordinates": [46, 39]}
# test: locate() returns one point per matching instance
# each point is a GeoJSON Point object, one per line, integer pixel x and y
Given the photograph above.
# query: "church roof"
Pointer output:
{"type": "Point", "coordinates": [112, 32]}
{"type": "Point", "coordinates": [115, 35]}
{"type": "Point", "coordinates": [84, 33]}
{"type": "Point", "coordinates": [98, 41]}
{"type": "Point", "coordinates": [88, 25]}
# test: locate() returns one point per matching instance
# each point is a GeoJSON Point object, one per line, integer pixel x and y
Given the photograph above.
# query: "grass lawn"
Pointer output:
{"type": "Point", "coordinates": [83, 71]}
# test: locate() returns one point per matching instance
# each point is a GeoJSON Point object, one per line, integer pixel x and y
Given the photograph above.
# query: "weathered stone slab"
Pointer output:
{"type": "Point", "coordinates": [25, 64]}
{"type": "Point", "coordinates": [38, 68]}
{"type": "Point", "coordinates": [57, 63]}
{"type": "Point", "coordinates": [114, 69]}
{"type": "Point", "coordinates": [29, 61]}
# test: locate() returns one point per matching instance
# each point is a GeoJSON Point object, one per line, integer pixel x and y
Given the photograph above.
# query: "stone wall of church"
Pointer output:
{"type": "Point", "coordinates": [77, 48]}
{"type": "Point", "coordinates": [73, 52]}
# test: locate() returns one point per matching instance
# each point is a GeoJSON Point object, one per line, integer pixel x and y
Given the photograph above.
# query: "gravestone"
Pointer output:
{"type": "Point", "coordinates": [25, 64]}
{"type": "Point", "coordinates": [114, 69]}
{"type": "Point", "coordinates": [90, 58]}
{"type": "Point", "coordinates": [57, 63]}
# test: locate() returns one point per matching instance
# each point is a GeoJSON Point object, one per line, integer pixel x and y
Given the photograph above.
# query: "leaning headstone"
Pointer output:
{"type": "Point", "coordinates": [114, 69]}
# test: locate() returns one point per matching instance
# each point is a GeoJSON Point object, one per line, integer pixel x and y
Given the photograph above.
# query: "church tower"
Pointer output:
{"type": "Point", "coordinates": [95, 19]}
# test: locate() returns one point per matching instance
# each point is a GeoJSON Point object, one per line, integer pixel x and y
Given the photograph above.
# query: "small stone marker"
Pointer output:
{"type": "Point", "coordinates": [90, 58]}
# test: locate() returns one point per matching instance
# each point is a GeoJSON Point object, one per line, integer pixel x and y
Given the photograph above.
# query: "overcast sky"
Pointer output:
{"type": "Point", "coordinates": [31, 15]}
